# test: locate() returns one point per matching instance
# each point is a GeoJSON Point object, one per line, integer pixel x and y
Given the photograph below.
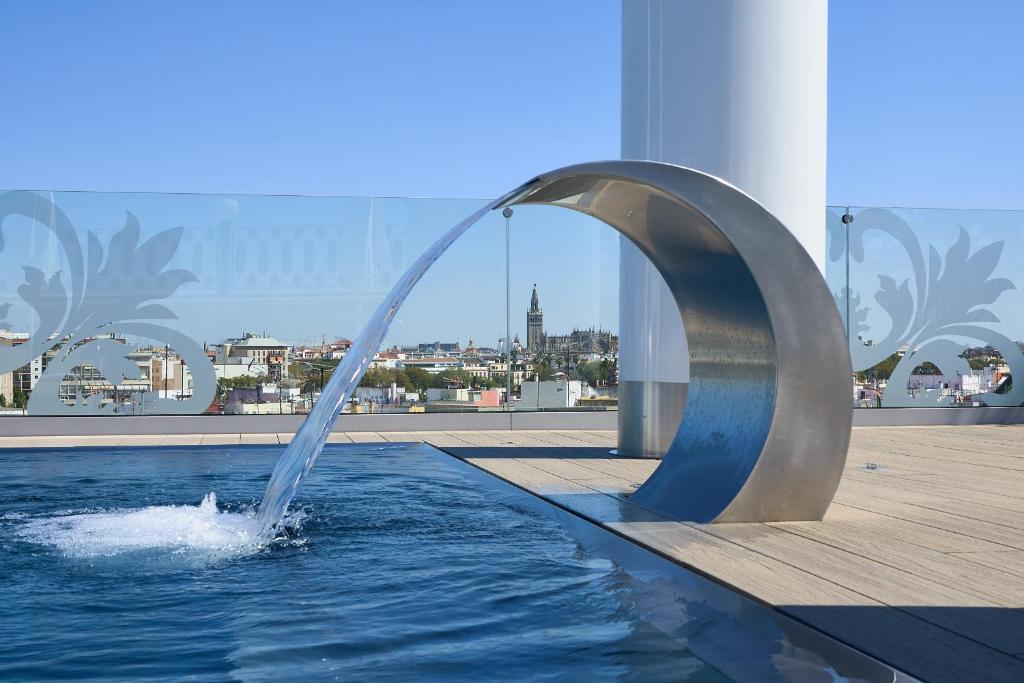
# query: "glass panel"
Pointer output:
{"type": "Point", "coordinates": [934, 307]}
{"type": "Point", "coordinates": [129, 304]}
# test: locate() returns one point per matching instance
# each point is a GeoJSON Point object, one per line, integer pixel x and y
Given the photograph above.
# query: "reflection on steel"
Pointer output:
{"type": "Point", "coordinates": [767, 421]}
{"type": "Point", "coordinates": [649, 415]}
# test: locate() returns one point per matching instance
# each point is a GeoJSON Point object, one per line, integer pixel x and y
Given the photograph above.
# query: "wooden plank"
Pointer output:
{"type": "Point", "coordinates": [546, 438]}
{"type": "Point", "coordinates": [941, 520]}
{"type": "Point", "coordinates": [991, 584]}
{"type": "Point", "coordinates": [903, 531]}
{"type": "Point", "coordinates": [527, 476]}
{"type": "Point", "coordinates": [586, 438]}
{"type": "Point", "coordinates": [477, 438]}
{"type": "Point", "coordinates": [937, 487]}
{"type": "Point", "coordinates": [611, 436]}
{"type": "Point", "coordinates": [977, 439]}
{"type": "Point", "coordinates": [521, 438]}
{"type": "Point", "coordinates": [943, 453]}
{"type": "Point", "coordinates": [1009, 561]}
{"type": "Point", "coordinates": [933, 501]}
{"type": "Point", "coordinates": [566, 468]}
{"type": "Point", "coordinates": [592, 479]}
{"type": "Point", "coordinates": [633, 470]}
{"type": "Point", "coordinates": [1008, 479]}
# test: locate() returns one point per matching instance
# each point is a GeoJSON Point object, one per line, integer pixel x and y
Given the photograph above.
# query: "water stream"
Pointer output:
{"type": "Point", "coordinates": [301, 454]}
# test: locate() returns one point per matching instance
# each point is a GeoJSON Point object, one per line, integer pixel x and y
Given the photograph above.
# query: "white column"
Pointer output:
{"type": "Point", "coordinates": [736, 88]}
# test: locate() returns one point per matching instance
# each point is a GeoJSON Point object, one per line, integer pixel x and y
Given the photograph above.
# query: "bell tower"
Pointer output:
{"type": "Point", "coordinates": [534, 324]}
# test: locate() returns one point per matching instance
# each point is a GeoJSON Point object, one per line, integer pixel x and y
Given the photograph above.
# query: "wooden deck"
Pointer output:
{"type": "Point", "coordinates": [919, 562]}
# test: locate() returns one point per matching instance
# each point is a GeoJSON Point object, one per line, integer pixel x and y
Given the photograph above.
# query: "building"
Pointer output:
{"type": "Point", "coordinates": [439, 347]}
{"type": "Point", "coordinates": [476, 368]}
{"type": "Point", "coordinates": [390, 359]}
{"type": "Point", "coordinates": [534, 324]}
{"type": "Point", "coordinates": [498, 371]}
{"type": "Point", "coordinates": [7, 387]}
{"type": "Point", "coordinates": [576, 342]}
{"type": "Point", "coordinates": [558, 393]}
{"type": "Point", "coordinates": [20, 378]}
{"type": "Point", "coordinates": [455, 399]}
{"type": "Point", "coordinates": [232, 367]}
{"type": "Point", "coordinates": [434, 366]}
{"type": "Point", "coordinates": [258, 348]}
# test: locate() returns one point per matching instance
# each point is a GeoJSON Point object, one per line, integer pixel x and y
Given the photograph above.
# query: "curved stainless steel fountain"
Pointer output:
{"type": "Point", "coordinates": [767, 422]}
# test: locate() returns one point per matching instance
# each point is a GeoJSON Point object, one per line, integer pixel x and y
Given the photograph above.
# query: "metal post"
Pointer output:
{"type": "Point", "coordinates": [167, 351]}
{"type": "Point", "coordinates": [507, 213]}
{"type": "Point", "coordinates": [847, 220]}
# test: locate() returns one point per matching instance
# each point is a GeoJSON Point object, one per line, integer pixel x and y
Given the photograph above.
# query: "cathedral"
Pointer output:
{"type": "Point", "coordinates": [577, 341]}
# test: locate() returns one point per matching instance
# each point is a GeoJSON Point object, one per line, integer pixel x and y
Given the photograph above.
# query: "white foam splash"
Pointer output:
{"type": "Point", "coordinates": [166, 528]}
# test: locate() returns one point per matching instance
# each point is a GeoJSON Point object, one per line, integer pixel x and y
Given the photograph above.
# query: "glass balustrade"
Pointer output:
{"type": "Point", "coordinates": [151, 304]}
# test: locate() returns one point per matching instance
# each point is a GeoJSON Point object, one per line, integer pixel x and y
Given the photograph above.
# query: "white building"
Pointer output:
{"type": "Point", "coordinates": [262, 349]}
{"type": "Point", "coordinates": [434, 366]}
{"type": "Point", "coordinates": [558, 393]}
{"type": "Point", "coordinates": [234, 366]}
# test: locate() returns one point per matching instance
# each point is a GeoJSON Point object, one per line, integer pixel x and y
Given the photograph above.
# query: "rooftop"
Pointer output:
{"type": "Point", "coordinates": [918, 563]}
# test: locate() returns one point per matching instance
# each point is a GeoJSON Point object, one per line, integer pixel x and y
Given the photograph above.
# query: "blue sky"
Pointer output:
{"type": "Point", "coordinates": [467, 99]}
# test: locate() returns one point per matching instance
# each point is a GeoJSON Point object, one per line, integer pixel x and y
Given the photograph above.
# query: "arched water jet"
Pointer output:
{"type": "Point", "coordinates": [767, 423]}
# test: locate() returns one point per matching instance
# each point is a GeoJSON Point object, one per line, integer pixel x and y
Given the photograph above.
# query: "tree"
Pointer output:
{"type": "Point", "coordinates": [418, 379]}
{"type": "Point", "coordinates": [485, 382]}
{"type": "Point", "coordinates": [3, 401]}
{"type": "Point", "coordinates": [979, 363]}
{"type": "Point", "coordinates": [384, 377]}
{"type": "Point", "coordinates": [926, 368]}
{"type": "Point", "coordinates": [542, 367]}
{"type": "Point", "coordinates": [594, 374]}
{"type": "Point", "coordinates": [20, 401]}
{"type": "Point", "coordinates": [883, 370]}
{"type": "Point", "coordinates": [224, 384]}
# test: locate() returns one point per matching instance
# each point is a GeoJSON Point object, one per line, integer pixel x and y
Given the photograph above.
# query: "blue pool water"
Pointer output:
{"type": "Point", "coordinates": [398, 564]}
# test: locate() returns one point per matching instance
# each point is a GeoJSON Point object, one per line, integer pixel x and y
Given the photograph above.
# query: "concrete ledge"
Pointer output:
{"type": "Point", "coordinates": [432, 422]}
{"type": "Point", "coordinates": [910, 417]}
{"type": "Point", "coordinates": [274, 424]}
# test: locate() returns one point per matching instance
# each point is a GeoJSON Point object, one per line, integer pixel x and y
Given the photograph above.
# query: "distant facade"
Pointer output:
{"type": "Point", "coordinates": [258, 349]}
{"type": "Point", "coordinates": [577, 342]}
{"type": "Point", "coordinates": [439, 347]}
{"type": "Point", "coordinates": [7, 387]}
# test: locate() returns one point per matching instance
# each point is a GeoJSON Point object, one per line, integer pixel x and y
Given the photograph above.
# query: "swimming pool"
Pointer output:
{"type": "Point", "coordinates": [400, 563]}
